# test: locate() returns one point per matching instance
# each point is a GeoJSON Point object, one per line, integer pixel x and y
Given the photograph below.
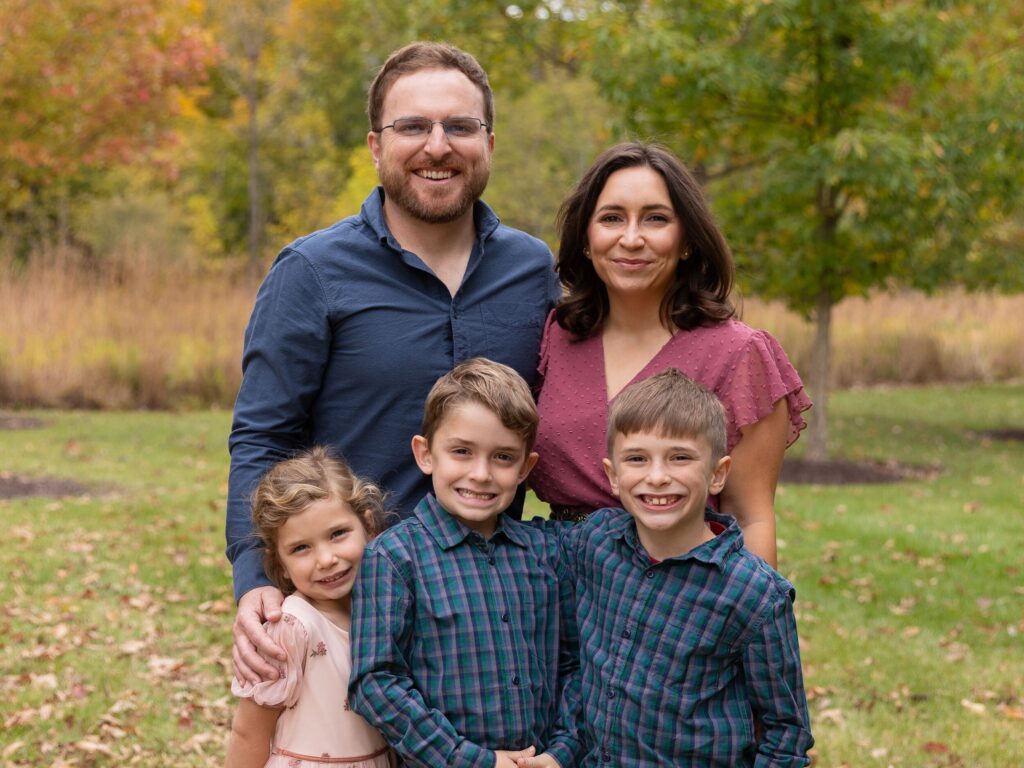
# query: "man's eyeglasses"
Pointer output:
{"type": "Point", "coordinates": [455, 128]}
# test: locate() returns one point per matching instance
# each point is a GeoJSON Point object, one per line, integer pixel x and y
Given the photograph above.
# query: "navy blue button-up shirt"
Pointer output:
{"type": "Point", "coordinates": [678, 658]}
{"type": "Point", "coordinates": [462, 645]}
{"type": "Point", "coordinates": [348, 334]}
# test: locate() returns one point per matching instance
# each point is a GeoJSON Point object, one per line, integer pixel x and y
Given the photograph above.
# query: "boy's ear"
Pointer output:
{"type": "Point", "coordinates": [531, 461]}
{"type": "Point", "coordinates": [718, 475]}
{"type": "Point", "coordinates": [609, 470]}
{"type": "Point", "coordinates": [421, 452]}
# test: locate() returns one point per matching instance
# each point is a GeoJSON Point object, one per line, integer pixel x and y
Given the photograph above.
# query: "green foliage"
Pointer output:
{"type": "Point", "coordinates": [847, 144]}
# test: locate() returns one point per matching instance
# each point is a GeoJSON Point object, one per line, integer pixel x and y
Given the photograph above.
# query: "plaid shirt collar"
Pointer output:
{"type": "Point", "coordinates": [449, 532]}
{"type": "Point", "coordinates": [713, 552]}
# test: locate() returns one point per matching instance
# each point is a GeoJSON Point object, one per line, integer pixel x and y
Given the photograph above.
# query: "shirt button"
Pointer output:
{"type": "Point", "coordinates": [504, 617]}
{"type": "Point", "coordinates": [491, 559]}
{"type": "Point", "coordinates": [515, 679]}
{"type": "Point", "coordinates": [627, 634]}
{"type": "Point", "coordinates": [605, 757]}
{"type": "Point", "coordinates": [649, 574]}
{"type": "Point", "coordinates": [611, 693]}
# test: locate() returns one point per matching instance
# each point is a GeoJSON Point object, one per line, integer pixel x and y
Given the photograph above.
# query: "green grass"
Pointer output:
{"type": "Point", "coordinates": [115, 606]}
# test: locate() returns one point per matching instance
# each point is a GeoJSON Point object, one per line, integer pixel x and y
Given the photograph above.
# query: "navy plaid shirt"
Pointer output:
{"type": "Point", "coordinates": [678, 658]}
{"type": "Point", "coordinates": [462, 645]}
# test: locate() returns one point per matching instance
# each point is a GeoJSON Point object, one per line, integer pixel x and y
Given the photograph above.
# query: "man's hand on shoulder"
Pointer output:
{"type": "Point", "coordinates": [253, 645]}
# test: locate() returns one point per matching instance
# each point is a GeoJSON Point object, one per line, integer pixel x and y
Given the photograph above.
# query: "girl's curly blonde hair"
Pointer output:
{"type": "Point", "coordinates": [291, 486]}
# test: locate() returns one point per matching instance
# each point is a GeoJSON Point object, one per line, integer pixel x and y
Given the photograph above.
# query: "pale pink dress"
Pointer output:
{"type": "Point", "coordinates": [316, 728]}
{"type": "Point", "coordinates": [746, 368]}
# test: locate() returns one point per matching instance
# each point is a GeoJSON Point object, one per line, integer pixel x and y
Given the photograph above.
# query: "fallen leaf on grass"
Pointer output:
{"type": "Point", "coordinates": [973, 706]}
{"type": "Point", "coordinates": [44, 681]}
{"type": "Point", "coordinates": [215, 606]}
{"type": "Point", "coordinates": [91, 746]}
{"type": "Point", "coordinates": [1014, 713]}
{"type": "Point", "coordinates": [934, 748]}
{"type": "Point", "coordinates": [11, 748]}
{"type": "Point", "coordinates": [131, 647]}
{"type": "Point", "coordinates": [833, 715]}
{"type": "Point", "coordinates": [162, 666]}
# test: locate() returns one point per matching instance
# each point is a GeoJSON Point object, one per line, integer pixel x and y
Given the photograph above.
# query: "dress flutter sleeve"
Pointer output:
{"type": "Point", "coordinates": [761, 378]}
{"type": "Point", "coordinates": [291, 636]}
{"type": "Point", "coordinates": [545, 352]}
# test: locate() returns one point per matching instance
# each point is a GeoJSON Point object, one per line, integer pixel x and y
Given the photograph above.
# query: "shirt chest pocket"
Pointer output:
{"type": "Point", "coordinates": [513, 331]}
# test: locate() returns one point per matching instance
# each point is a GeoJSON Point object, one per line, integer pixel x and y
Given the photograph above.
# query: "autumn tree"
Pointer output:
{"type": "Point", "coordinates": [87, 85]}
{"type": "Point", "coordinates": [846, 145]}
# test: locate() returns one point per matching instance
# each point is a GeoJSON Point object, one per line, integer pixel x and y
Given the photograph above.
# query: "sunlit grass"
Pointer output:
{"type": "Point", "coordinates": [115, 605]}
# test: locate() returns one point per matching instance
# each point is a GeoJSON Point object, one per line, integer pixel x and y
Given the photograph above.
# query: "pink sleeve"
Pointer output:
{"type": "Point", "coordinates": [760, 378]}
{"type": "Point", "coordinates": [290, 634]}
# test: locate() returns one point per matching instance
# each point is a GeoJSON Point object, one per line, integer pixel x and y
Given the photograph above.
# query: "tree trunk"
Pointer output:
{"type": "Point", "coordinates": [821, 358]}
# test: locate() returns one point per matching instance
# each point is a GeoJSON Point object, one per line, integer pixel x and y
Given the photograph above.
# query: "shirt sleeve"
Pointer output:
{"type": "Point", "coordinates": [287, 344]}
{"type": "Point", "coordinates": [758, 378]}
{"type": "Point", "coordinates": [382, 688]}
{"type": "Point", "coordinates": [291, 636]}
{"type": "Point", "coordinates": [566, 742]}
{"type": "Point", "coordinates": [771, 662]}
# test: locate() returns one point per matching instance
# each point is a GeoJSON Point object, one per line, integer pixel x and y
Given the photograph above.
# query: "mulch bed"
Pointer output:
{"type": "Point", "coordinates": [1005, 434]}
{"type": "Point", "coordinates": [18, 487]}
{"type": "Point", "coordinates": [837, 472]}
{"type": "Point", "coordinates": [10, 421]}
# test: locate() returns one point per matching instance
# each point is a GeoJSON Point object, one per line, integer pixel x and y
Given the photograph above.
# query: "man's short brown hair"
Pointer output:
{"type": "Point", "coordinates": [670, 404]}
{"type": "Point", "coordinates": [425, 55]}
{"type": "Point", "coordinates": [496, 387]}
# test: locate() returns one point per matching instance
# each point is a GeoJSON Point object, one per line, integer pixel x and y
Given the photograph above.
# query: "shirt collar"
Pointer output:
{"type": "Point", "coordinates": [449, 532]}
{"type": "Point", "coordinates": [713, 552]}
{"type": "Point", "coordinates": [372, 212]}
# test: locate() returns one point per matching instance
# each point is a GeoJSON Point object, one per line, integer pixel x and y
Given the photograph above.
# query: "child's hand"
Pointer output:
{"type": "Point", "coordinates": [543, 760]}
{"type": "Point", "coordinates": [506, 759]}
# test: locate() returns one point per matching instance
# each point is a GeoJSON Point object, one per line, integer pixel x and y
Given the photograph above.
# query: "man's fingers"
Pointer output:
{"type": "Point", "coordinates": [272, 602]}
{"type": "Point", "coordinates": [243, 673]}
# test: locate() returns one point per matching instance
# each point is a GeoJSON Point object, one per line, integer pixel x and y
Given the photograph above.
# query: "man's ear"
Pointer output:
{"type": "Point", "coordinates": [421, 452]}
{"type": "Point", "coordinates": [718, 475]}
{"type": "Point", "coordinates": [531, 461]}
{"type": "Point", "coordinates": [373, 142]}
{"type": "Point", "coordinates": [609, 470]}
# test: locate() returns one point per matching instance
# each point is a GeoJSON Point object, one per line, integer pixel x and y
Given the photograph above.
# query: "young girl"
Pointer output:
{"type": "Point", "coordinates": [314, 517]}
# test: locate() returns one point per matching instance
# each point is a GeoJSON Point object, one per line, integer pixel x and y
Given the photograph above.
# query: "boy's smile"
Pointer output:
{"type": "Point", "coordinates": [476, 463]}
{"type": "Point", "coordinates": [664, 483]}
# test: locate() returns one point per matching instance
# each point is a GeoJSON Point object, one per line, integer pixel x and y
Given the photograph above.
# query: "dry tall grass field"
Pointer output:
{"type": "Point", "coordinates": [150, 335]}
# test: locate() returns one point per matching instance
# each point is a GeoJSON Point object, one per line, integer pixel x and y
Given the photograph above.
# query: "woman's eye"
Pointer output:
{"type": "Point", "coordinates": [339, 533]}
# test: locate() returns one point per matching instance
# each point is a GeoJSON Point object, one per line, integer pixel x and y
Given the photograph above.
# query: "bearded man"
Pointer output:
{"type": "Point", "coordinates": [354, 323]}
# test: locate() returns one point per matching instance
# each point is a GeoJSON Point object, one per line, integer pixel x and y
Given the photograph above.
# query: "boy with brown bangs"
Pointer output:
{"type": "Point", "coordinates": [463, 621]}
{"type": "Point", "coordinates": [687, 639]}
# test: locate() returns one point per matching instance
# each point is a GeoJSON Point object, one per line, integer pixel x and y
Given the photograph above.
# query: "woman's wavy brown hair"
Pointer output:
{"type": "Point", "coordinates": [292, 485]}
{"type": "Point", "coordinates": [700, 293]}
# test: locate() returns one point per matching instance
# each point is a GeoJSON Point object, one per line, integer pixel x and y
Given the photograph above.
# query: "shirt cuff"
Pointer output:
{"type": "Point", "coordinates": [248, 572]}
{"type": "Point", "coordinates": [565, 751]}
{"type": "Point", "coordinates": [470, 755]}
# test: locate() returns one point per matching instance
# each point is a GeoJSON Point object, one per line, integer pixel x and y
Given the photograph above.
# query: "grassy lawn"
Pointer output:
{"type": "Point", "coordinates": [114, 625]}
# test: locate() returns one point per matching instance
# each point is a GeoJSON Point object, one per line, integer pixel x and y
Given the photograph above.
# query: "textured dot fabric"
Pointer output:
{"type": "Point", "coordinates": [746, 368]}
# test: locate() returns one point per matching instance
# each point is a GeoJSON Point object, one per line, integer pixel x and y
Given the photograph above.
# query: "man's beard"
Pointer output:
{"type": "Point", "coordinates": [427, 210]}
